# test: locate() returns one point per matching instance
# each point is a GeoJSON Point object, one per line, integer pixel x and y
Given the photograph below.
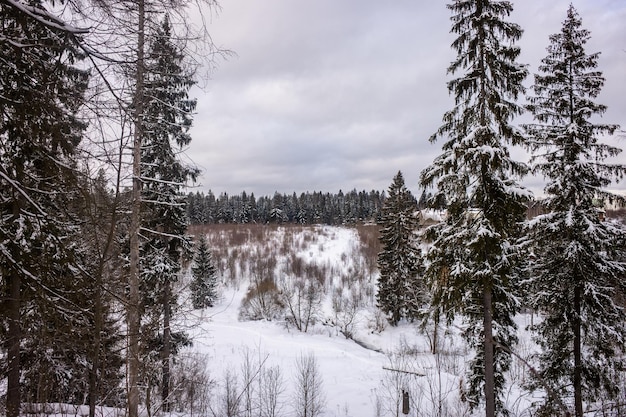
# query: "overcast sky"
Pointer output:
{"type": "Point", "coordinates": [325, 95]}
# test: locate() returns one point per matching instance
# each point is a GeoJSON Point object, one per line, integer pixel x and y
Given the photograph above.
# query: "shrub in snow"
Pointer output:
{"type": "Point", "coordinates": [190, 376]}
{"type": "Point", "coordinates": [229, 401]}
{"type": "Point", "coordinates": [378, 321]}
{"type": "Point", "coordinates": [262, 302]}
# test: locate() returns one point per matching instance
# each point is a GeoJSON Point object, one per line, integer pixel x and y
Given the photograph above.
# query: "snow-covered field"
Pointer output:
{"type": "Point", "coordinates": [363, 376]}
{"type": "Point", "coordinates": [357, 380]}
{"type": "Point", "coordinates": [350, 373]}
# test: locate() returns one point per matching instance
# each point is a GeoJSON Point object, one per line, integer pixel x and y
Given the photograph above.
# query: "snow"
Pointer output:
{"type": "Point", "coordinates": [355, 374]}
{"type": "Point", "coordinates": [349, 371]}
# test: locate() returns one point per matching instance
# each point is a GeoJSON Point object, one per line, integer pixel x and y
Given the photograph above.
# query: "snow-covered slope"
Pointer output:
{"type": "Point", "coordinates": [364, 376]}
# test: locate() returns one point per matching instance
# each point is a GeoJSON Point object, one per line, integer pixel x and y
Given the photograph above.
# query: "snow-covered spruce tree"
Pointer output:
{"type": "Point", "coordinates": [41, 92]}
{"type": "Point", "coordinates": [58, 366]}
{"type": "Point", "coordinates": [473, 260]}
{"type": "Point", "coordinates": [401, 289]}
{"type": "Point", "coordinates": [576, 272]}
{"type": "Point", "coordinates": [166, 121]}
{"type": "Point", "coordinates": [204, 282]}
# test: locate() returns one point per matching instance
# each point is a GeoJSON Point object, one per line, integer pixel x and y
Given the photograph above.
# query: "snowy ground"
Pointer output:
{"type": "Point", "coordinates": [356, 380]}
{"type": "Point", "coordinates": [350, 373]}
{"type": "Point", "coordinates": [356, 377]}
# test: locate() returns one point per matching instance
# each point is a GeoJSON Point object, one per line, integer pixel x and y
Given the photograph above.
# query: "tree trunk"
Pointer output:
{"type": "Point", "coordinates": [98, 308]}
{"type": "Point", "coordinates": [435, 342]}
{"type": "Point", "coordinates": [133, 278]}
{"type": "Point", "coordinates": [149, 397]}
{"type": "Point", "coordinates": [14, 337]}
{"type": "Point", "coordinates": [578, 401]}
{"type": "Point", "coordinates": [165, 393]}
{"type": "Point", "coordinates": [95, 355]}
{"type": "Point", "coordinates": [490, 388]}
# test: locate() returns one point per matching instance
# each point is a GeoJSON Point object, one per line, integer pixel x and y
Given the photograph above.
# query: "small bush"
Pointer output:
{"type": "Point", "coordinates": [378, 322]}
{"type": "Point", "coordinates": [346, 308]}
{"type": "Point", "coordinates": [262, 302]}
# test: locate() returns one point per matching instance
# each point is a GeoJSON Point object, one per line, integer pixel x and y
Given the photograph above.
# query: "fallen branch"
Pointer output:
{"type": "Point", "coordinates": [403, 371]}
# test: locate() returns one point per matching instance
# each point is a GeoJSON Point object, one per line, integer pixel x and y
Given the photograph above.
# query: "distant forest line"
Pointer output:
{"type": "Point", "coordinates": [308, 208]}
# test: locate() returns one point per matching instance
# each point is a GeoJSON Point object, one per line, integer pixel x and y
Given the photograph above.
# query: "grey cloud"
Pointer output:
{"type": "Point", "coordinates": [342, 94]}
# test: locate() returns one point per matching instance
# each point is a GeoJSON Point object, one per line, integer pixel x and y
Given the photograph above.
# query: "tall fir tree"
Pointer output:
{"type": "Point", "coordinates": [473, 259]}
{"type": "Point", "coordinates": [41, 93]}
{"type": "Point", "coordinates": [204, 283]}
{"type": "Point", "coordinates": [166, 122]}
{"type": "Point", "coordinates": [401, 290]}
{"type": "Point", "coordinates": [578, 265]}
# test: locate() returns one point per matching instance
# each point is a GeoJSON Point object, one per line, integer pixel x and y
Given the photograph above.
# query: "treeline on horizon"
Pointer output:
{"type": "Point", "coordinates": [316, 207]}
{"type": "Point", "coordinates": [307, 208]}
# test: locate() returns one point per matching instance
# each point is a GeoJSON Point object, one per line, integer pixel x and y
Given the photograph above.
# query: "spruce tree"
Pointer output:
{"type": "Point", "coordinates": [166, 121]}
{"type": "Point", "coordinates": [473, 258]}
{"type": "Point", "coordinates": [401, 291]}
{"type": "Point", "coordinates": [41, 93]}
{"type": "Point", "coordinates": [204, 284]}
{"type": "Point", "coordinates": [578, 266]}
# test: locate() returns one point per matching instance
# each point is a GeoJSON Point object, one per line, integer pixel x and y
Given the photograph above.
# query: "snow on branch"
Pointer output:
{"type": "Point", "coordinates": [158, 233]}
{"type": "Point", "coordinates": [16, 264]}
{"type": "Point", "coordinates": [19, 189]}
{"type": "Point", "coordinates": [160, 181]}
{"type": "Point", "coordinates": [44, 17]}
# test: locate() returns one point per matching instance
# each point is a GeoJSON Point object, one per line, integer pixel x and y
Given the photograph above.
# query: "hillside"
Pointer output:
{"type": "Point", "coordinates": [359, 374]}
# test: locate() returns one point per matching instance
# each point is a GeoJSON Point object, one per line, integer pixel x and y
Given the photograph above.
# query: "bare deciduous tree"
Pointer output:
{"type": "Point", "coordinates": [346, 307]}
{"type": "Point", "coordinates": [309, 398]}
{"type": "Point", "coordinates": [229, 406]}
{"type": "Point", "coordinates": [192, 384]}
{"type": "Point", "coordinates": [270, 391]}
{"type": "Point", "coordinates": [303, 299]}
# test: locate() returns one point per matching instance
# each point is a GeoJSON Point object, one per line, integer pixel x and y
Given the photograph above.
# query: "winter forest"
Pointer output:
{"type": "Point", "coordinates": [125, 292]}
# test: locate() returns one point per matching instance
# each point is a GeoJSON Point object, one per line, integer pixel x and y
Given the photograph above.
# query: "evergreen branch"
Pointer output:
{"type": "Point", "coordinates": [19, 189]}
{"type": "Point", "coordinates": [45, 18]}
